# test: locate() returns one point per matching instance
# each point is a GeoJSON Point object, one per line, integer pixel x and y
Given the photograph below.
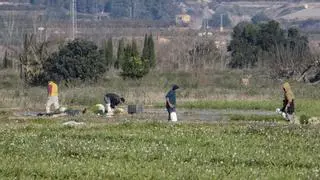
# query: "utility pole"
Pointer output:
{"type": "Point", "coordinates": [132, 9]}
{"type": "Point", "coordinates": [96, 10]}
{"type": "Point", "coordinates": [74, 19]}
{"type": "Point", "coordinates": [221, 22]}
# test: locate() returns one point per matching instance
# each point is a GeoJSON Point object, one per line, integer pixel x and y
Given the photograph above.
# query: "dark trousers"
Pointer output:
{"type": "Point", "coordinates": [170, 110]}
{"type": "Point", "coordinates": [290, 109]}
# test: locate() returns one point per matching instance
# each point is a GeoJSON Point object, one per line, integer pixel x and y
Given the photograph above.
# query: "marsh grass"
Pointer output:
{"type": "Point", "coordinates": [261, 118]}
{"type": "Point", "coordinates": [309, 107]}
{"type": "Point", "coordinates": [236, 104]}
{"type": "Point", "coordinates": [209, 90]}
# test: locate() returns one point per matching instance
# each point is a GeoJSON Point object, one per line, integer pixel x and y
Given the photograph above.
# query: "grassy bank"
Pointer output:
{"type": "Point", "coordinates": [232, 104]}
{"type": "Point", "coordinates": [308, 107]}
{"type": "Point", "coordinates": [261, 118]}
{"type": "Point", "coordinates": [152, 150]}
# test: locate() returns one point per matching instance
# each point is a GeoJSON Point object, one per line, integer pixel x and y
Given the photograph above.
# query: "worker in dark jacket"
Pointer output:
{"type": "Point", "coordinates": [112, 100]}
{"type": "Point", "coordinates": [171, 101]}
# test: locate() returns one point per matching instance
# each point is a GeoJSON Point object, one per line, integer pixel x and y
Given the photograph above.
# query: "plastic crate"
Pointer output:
{"type": "Point", "coordinates": [135, 108]}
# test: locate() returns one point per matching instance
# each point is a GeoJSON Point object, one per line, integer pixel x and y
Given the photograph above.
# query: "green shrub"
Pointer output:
{"type": "Point", "coordinates": [79, 59]}
{"type": "Point", "coordinates": [133, 65]}
{"type": "Point", "coordinates": [269, 118]}
{"type": "Point", "coordinates": [304, 119]}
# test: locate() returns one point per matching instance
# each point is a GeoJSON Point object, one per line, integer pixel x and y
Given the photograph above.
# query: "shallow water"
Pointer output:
{"type": "Point", "coordinates": [205, 114]}
{"type": "Point", "coordinates": [210, 115]}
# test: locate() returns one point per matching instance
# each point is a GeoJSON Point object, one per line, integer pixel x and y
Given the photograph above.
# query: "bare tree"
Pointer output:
{"type": "Point", "coordinates": [288, 62]}
{"type": "Point", "coordinates": [32, 58]}
{"type": "Point", "coordinates": [9, 24]}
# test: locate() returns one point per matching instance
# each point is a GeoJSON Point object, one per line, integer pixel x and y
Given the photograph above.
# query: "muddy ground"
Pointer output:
{"type": "Point", "coordinates": [190, 115]}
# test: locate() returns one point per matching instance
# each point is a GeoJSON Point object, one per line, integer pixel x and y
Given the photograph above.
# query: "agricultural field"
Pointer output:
{"type": "Point", "coordinates": [131, 148]}
{"type": "Point", "coordinates": [146, 146]}
{"type": "Point", "coordinates": [227, 127]}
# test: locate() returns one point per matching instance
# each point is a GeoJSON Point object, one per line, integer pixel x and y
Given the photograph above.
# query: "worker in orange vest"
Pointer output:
{"type": "Point", "coordinates": [52, 96]}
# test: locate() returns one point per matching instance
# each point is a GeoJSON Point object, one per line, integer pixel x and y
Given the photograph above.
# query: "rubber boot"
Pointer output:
{"type": "Point", "coordinates": [290, 118]}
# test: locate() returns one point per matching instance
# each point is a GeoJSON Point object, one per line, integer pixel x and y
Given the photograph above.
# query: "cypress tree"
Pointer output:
{"type": "Point", "coordinates": [109, 53]}
{"type": "Point", "coordinates": [120, 54]}
{"type": "Point", "coordinates": [5, 60]}
{"type": "Point", "coordinates": [134, 49]}
{"type": "Point", "coordinates": [110, 48]}
{"type": "Point", "coordinates": [126, 64]}
{"type": "Point", "coordinates": [151, 52]}
{"type": "Point", "coordinates": [132, 66]}
{"type": "Point", "coordinates": [127, 52]}
{"type": "Point", "coordinates": [145, 50]}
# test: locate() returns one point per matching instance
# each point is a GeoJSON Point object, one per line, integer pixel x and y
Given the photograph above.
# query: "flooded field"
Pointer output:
{"type": "Point", "coordinates": [204, 114]}
{"type": "Point", "coordinates": [160, 114]}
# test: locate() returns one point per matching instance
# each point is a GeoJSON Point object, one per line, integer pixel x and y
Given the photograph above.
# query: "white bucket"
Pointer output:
{"type": "Point", "coordinates": [173, 116]}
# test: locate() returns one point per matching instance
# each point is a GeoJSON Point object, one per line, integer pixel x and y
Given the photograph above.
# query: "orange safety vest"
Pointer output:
{"type": "Point", "coordinates": [52, 89]}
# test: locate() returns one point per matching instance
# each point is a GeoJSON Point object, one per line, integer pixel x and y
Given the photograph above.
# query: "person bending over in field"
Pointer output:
{"type": "Point", "coordinates": [112, 100]}
{"type": "Point", "coordinates": [288, 102]}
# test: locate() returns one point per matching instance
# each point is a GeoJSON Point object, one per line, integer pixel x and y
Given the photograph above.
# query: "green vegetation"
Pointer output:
{"type": "Point", "coordinates": [304, 119]}
{"type": "Point", "coordinates": [120, 54]}
{"type": "Point", "coordinates": [205, 90]}
{"type": "Point", "coordinates": [108, 53]}
{"type": "Point", "coordinates": [153, 150]}
{"type": "Point", "coordinates": [268, 44]}
{"type": "Point", "coordinates": [79, 59]}
{"type": "Point", "coordinates": [82, 60]}
{"type": "Point", "coordinates": [143, 146]}
{"type": "Point", "coordinates": [6, 63]}
{"type": "Point", "coordinates": [148, 52]}
{"type": "Point", "coordinates": [260, 118]}
{"type": "Point", "coordinates": [135, 66]}
{"type": "Point", "coordinates": [310, 107]}
{"type": "Point", "coordinates": [71, 61]}
{"type": "Point", "coordinates": [232, 104]}
{"type": "Point", "coordinates": [134, 147]}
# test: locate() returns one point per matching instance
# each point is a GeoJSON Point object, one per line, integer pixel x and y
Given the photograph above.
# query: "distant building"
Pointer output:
{"type": "Point", "coordinates": [7, 2]}
{"type": "Point", "coordinates": [203, 34]}
{"type": "Point", "coordinates": [183, 19]}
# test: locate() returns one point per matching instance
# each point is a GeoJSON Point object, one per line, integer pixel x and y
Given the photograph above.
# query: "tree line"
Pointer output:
{"type": "Point", "coordinates": [83, 60]}
{"type": "Point", "coordinates": [268, 45]}
{"type": "Point", "coordinates": [283, 52]}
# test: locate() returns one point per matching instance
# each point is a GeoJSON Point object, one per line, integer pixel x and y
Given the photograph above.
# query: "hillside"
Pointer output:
{"type": "Point", "coordinates": [104, 17]}
{"type": "Point", "coordinates": [209, 12]}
